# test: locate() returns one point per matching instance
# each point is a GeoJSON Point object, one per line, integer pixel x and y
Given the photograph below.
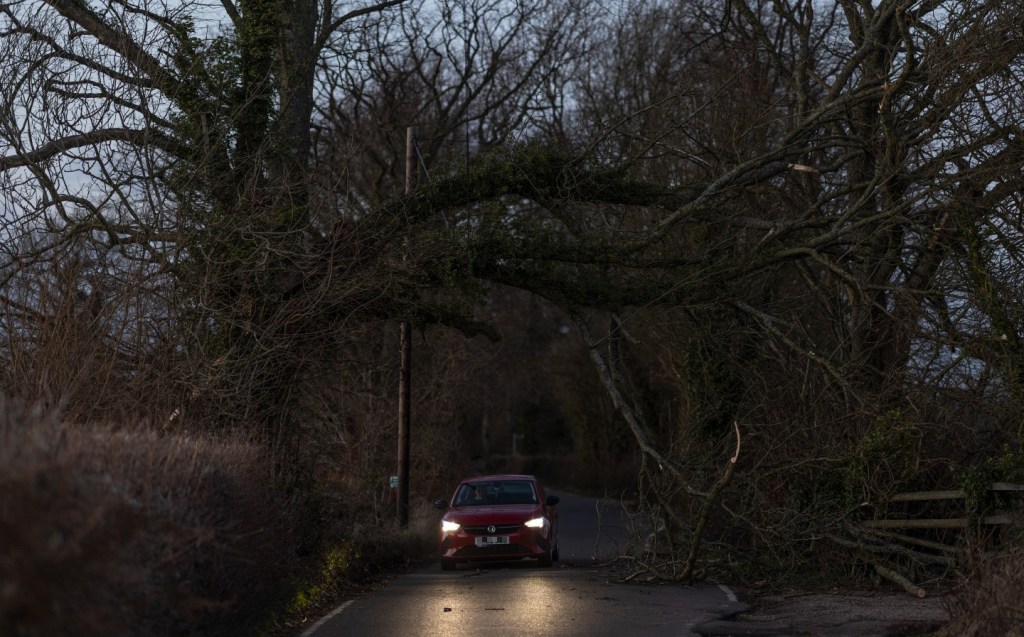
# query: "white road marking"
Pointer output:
{"type": "Point", "coordinates": [312, 629]}
{"type": "Point", "coordinates": [725, 589]}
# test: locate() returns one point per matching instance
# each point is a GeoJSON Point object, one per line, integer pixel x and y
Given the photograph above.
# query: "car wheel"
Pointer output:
{"type": "Point", "coordinates": [447, 565]}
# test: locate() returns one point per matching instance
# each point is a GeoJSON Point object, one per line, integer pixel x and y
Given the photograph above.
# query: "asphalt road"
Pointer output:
{"type": "Point", "coordinates": [575, 597]}
{"type": "Point", "coordinates": [592, 530]}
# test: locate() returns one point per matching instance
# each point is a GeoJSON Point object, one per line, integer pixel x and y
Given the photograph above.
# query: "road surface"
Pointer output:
{"type": "Point", "coordinates": [574, 597]}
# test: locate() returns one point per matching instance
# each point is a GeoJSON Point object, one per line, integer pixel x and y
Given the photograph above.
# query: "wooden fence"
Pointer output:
{"type": "Point", "coordinates": [877, 542]}
{"type": "Point", "coordinates": [1010, 518]}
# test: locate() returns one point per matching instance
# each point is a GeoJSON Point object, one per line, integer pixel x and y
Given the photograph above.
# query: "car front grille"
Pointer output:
{"type": "Point", "coordinates": [484, 529]}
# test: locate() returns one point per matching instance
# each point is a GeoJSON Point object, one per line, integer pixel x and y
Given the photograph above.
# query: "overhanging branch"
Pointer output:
{"type": "Point", "coordinates": [100, 136]}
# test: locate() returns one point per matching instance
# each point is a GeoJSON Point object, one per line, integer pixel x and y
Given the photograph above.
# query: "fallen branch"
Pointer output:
{"type": "Point", "coordinates": [705, 509]}
{"type": "Point", "coordinates": [887, 548]}
{"type": "Point", "coordinates": [928, 544]}
{"type": "Point", "coordinates": [609, 372]}
{"type": "Point", "coordinates": [634, 420]}
{"type": "Point", "coordinates": [894, 577]}
{"type": "Point", "coordinates": [665, 571]}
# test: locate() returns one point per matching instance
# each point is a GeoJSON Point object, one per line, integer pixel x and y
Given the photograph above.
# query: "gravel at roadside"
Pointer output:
{"type": "Point", "coordinates": [837, 614]}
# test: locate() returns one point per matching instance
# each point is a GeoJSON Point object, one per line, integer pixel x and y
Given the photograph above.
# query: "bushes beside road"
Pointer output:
{"type": "Point", "coordinates": [113, 532]}
{"type": "Point", "coordinates": [108, 531]}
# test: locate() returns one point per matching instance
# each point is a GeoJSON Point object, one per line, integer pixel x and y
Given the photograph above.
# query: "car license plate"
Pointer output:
{"type": "Point", "coordinates": [490, 540]}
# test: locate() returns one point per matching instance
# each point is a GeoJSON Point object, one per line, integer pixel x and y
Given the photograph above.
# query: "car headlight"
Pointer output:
{"type": "Point", "coordinates": [537, 523]}
{"type": "Point", "coordinates": [449, 527]}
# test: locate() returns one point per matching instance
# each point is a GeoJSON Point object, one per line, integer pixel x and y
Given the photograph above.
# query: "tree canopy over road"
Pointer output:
{"type": "Point", "coordinates": [803, 217]}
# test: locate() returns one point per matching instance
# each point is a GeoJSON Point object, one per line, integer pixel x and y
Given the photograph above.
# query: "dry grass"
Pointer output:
{"type": "Point", "coordinates": [106, 532]}
{"type": "Point", "coordinates": [366, 554]}
{"type": "Point", "coordinates": [991, 601]}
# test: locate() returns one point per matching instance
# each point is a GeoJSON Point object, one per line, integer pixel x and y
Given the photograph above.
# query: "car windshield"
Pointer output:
{"type": "Point", "coordinates": [491, 492]}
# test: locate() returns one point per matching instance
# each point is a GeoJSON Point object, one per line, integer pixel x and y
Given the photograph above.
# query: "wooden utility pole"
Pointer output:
{"type": "Point", "coordinates": [404, 378]}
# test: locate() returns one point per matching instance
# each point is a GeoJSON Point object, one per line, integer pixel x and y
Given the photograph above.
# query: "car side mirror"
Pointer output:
{"type": "Point", "coordinates": [552, 500]}
{"type": "Point", "coordinates": [441, 504]}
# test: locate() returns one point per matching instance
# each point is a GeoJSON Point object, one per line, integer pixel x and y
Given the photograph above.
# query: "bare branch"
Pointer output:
{"type": "Point", "coordinates": [92, 138]}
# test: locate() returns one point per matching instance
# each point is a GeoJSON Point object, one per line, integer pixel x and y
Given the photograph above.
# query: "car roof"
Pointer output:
{"type": "Point", "coordinates": [501, 476]}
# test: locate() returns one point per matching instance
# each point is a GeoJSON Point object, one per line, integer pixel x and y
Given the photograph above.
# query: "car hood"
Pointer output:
{"type": "Point", "coordinates": [504, 513]}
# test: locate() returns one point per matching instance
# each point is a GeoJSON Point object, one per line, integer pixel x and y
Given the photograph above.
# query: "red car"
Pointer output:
{"type": "Point", "coordinates": [499, 517]}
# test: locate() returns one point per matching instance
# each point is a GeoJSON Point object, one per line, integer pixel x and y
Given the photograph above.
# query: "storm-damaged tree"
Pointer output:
{"type": "Point", "coordinates": [857, 166]}
{"type": "Point", "coordinates": [787, 183]}
{"type": "Point", "coordinates": [790, 183]}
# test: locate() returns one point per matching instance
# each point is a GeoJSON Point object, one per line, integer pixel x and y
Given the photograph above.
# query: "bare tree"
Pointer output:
{"type": "Point", "coordinates": [176, 142]}
{"type": "Point", "coordinates": [469, 74]}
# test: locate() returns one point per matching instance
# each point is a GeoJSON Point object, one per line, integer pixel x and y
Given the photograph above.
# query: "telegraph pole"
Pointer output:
{"type": "Point", "coordinates": [404, 377]}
